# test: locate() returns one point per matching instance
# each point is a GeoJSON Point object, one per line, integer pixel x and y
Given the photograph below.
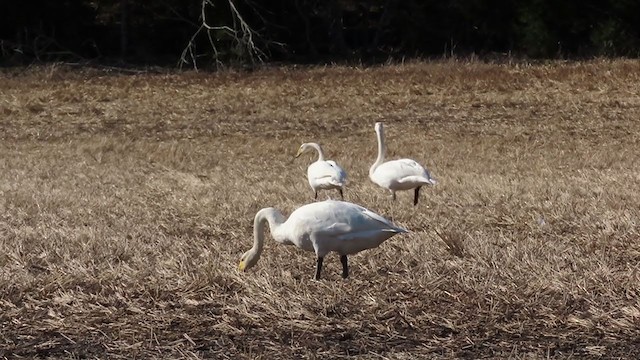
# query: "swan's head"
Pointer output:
{"type": "Point", "coordinates": [378, 126]}
{"type": "Point", "coordinates": [303, 149]}
{"type": "Point", "coordinates": [248, 260]}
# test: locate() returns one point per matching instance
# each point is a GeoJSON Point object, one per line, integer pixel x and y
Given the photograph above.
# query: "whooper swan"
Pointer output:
{"type": "Point", "coordinates": [323, 174]}
{"type": "Point", "coordinates": [401, 174]}
{"type": "Point", "coordinates": [322, 227]}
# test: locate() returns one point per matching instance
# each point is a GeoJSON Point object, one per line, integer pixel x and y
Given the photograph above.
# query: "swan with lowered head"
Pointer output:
{"type": "Point", "coordinates": [401, 174]}
{"type": "Point", "coordinates": [322, 227]}
{"type": "Point", "coordinates": [323, 174]}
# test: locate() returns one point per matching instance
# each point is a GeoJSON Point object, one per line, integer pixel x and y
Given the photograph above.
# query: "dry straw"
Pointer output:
{"type": "Point", "coordinates": [126, 201]}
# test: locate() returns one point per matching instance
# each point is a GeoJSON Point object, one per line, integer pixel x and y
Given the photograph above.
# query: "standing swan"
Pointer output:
{"type": "Point", "coordinates": [322, 227]}
{"type": "Point", "coordinates": [323, 174]}
{"type": "Point", "coordinates": [401, 174]}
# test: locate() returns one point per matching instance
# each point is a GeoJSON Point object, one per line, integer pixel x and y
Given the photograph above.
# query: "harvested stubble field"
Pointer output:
{"type": "Point", "coordinates": [127, 200]}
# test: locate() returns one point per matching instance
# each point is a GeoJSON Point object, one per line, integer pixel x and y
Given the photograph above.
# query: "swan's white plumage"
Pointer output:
{"type": "Point", "coordinates": [339, 226]}
{"type": "Point", "coordinates": [322, 227]}
{"type": "Point", "coordinates": [401, 174]}
{"type": "Point", "coordinates": [323, 174]}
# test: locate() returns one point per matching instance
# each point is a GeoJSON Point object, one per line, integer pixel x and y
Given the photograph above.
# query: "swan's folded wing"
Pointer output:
{"type": "Point", "coordinates": [411, 165]}
{"type": "Point", "coordinates": [338, 229]}
{"type": "Point", "coordinates": [335, 231]}
{"type": "Point", "coordinates": [414, 172]}
{"type": "Point", "coordinates": [346, 232]}
{"type": "Point", "coordinates": [386, 225]}
{"type": "Point", "coordinates": [328, 179]}
{"type": "Point", "coordinates": [327, 173]}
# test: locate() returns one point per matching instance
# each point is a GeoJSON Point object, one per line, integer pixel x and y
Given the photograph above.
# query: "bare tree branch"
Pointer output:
{"type": "Point", "coordinates": [241, 33]}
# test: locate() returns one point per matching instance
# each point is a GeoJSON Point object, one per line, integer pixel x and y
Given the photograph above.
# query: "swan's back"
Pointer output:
{"type": "Point", "coordinates": [323, 213]}
{"type": "Point", "coordinates": [338, 226]}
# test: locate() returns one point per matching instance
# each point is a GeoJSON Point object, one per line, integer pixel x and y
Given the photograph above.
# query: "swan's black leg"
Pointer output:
{"type": "Point", "coordinates": [318, 267]}
{"type": "Point", "coordinates": [415, 196]}
{"type": "Point", "coordinates": [345, 266]}
{"type": "Point", "coordinates": [341, 194]}
{"type": "Point", "coordinates": [315, 197]}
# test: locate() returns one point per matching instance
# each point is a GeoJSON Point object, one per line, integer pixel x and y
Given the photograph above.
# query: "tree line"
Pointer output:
{"type": "Point", "coordinates": [201, 33]}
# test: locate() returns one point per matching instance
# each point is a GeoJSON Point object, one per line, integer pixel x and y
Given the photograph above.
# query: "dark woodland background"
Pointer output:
{"type": "Point", "coordinates": [162, 32]}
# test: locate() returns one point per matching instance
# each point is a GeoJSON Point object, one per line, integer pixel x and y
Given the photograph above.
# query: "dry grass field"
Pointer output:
{"type": "Point", "coordinates": [126, 201]}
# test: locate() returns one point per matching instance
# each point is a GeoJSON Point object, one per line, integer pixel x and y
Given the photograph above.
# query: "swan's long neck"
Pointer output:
{"type": "Point", "coordinates": [381, 150]}
{"type": "Point", "coordinates": [319, 150]}
{"type": "Point", "coordinates": [268, 215]}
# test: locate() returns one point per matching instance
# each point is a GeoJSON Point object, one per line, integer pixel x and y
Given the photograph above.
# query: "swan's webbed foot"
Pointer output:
{"type": "Point", "coordinates": [318, 267]}
{"type": "Point", "coordinates": [416, 195]}
{"type": "Point", "coordinates": [345, 266]}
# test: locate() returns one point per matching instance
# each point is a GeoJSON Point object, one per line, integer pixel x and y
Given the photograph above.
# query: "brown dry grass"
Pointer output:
{"type": "Point", "coordinates": [126, 201]}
